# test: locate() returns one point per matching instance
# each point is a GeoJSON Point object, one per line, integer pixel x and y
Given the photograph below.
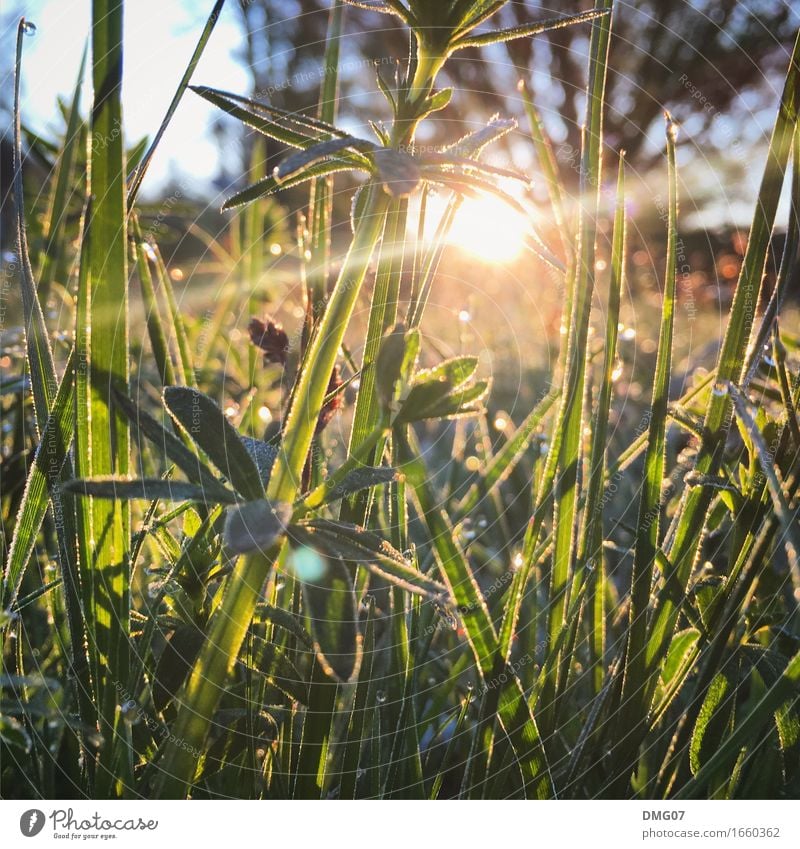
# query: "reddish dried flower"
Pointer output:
{"type": "Point", "coordinates": [271, 338]}
{"type": "Point", "coordinates": [334, 404]}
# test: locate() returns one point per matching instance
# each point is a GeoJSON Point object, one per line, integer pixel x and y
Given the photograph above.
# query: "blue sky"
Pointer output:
{"type": "Point", "coordinates": [160, 37]}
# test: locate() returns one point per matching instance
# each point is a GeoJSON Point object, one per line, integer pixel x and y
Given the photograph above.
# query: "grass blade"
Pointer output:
{"type": "Point", "coordinates": [566, 488]}
{"type": "Point", "coordinates": [102, 344]}
{"type": "Point", "coordinates": [636, 674]}
{"type": "Point", "coordinates": [731, 365]}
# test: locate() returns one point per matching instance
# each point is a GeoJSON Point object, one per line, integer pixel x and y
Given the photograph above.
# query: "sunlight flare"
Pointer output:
{"type": "Point", "coordinates": [489, 229]}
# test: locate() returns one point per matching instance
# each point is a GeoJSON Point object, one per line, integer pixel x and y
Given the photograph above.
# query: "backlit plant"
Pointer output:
{"type": "Point", "coordinates": [306, 624]}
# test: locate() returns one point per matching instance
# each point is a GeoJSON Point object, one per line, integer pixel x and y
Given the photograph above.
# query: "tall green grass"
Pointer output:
{"type": "Point", "coordinates": [235, 613]}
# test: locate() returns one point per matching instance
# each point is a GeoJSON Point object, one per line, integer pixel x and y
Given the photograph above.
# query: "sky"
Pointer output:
{"type": "Point", "coordinates": [160, 36]}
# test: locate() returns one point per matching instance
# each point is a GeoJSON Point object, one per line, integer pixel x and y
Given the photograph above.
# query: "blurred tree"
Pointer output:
{"type": "Point", "coordinates": [705, 60]}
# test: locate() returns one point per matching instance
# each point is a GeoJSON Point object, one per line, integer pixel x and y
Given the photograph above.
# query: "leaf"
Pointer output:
{"type": "Point", "coordinates": [167, 443]}
{"type": "Point", "coordinates": [704, 593]}
{"type": "Point", "coordinates": [263, 455]}
{"type": "Point", "coordinates": [399, 173]}
{"type": "Point", "coordinates": [254, 525]}
{"type": "Point", "coordinates": [455, 371]}
{"type": "Point", "coordinates": [332, 614]}
{"type": "Point", "coordinates": [438, 399]}
{"type": "Point", "coordinates": [148, 489]}
{"type": "Point", "coordinates": [269, 185]}
{"type": "Point", "coordinates": [365, 548]}
{"type": "Point", "coordinates": [438, 100]}
{"type": "Point", "coordinates": [526, 30]}
{"type": "Point", "coordinates": [681, 644]}
{"type": "Point", "coordinates": [361, 478]}
{"type": "Point", "coordinates": [292, 128]}
{"type": "Point", "coordinates": [474, 165]}
{"type": "Point", "coordinates": [301, 160]}
{"type": "Point", "coordinates": [715, 715]}
{"type": "Point", "coordinates": [205, 423]}
{"type": "Point", "coordinates": [175, 663]}
{"type": "Point", "coordinates": [473, 144]}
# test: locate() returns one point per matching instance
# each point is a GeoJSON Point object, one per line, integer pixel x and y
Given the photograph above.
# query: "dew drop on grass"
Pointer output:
{"type": "Point", "coordinates": [616, 372]}
{"type": "Point", "coordinates": [720, 389]}
{"type": "Point", "coordinates": [380, 697]}
{"type": "Point", "coordinates": [29, 28]}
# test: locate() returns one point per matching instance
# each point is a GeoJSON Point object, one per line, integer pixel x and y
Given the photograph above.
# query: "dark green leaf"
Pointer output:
{"type": "Point", "coordinates": [180, 651]}
{"type": "Point", "coordinates": [166, 442]}
{"type": "Point", "coordinates": [714, 717]}
{"type": "Point", "coordinates": [263, 455]}
{"type": "Point", "coordinates": [206, 424]}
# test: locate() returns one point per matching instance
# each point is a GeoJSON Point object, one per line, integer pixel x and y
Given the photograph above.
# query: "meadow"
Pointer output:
{"type": "Point", "coordinates": [314, 512]}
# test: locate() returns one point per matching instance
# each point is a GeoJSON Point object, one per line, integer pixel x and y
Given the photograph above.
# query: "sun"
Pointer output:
{"type": "Point", "coordinates": [484, 227]}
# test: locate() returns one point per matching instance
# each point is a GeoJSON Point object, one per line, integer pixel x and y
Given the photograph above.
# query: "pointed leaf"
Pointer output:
{"type": "Point", "coordinates": [263, 455]}
{"type": "Point", "coordinates": [169, 444]}
{"type": "Point", "coordinates": [301, 160]}
{"type": "Point", "coordinates": [269, 185]}
{"type": "Point", "coordinates": [365, 548]}
{"type": "Point", "coordinates": [149, 489]}
{"type": "Point", "coordinates": [205, 423]}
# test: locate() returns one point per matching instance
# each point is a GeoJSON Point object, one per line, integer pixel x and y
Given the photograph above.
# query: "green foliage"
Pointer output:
{"type": "Point", "coordinates": [392, 620]}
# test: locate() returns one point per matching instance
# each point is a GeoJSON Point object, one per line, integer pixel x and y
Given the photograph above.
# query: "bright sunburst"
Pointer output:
{"type": "Point", "coordinates": [484, 227]}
